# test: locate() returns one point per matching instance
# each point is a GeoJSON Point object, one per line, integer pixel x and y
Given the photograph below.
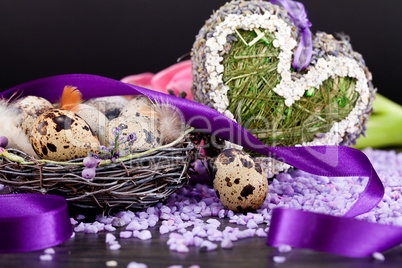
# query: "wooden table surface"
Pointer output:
{"type": "Point", "coordinates": [90, 250]}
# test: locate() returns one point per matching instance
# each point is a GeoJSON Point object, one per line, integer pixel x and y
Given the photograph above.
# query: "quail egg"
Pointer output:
{"type": "Point", "coordinates": [31, 107]}
{"type": "Point", "coordinates": [238, 181]}
{"type": "Point", "coordinates": [139, 106]}
{"type": "Point", "coordinates": [61, 135]}
{"type": "Point", "coordinates": [147, 134]}
{"type": "Point", "coordinates": [95, 119]}
{"type": "Point", "coordinates": [109, 106]}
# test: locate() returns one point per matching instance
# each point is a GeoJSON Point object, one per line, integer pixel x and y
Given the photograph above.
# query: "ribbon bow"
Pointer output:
{"type": "Point", "coordinates": [298, 14]}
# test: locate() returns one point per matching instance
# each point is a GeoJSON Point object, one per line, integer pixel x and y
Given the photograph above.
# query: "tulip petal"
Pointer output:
{"type": "Point", "coordinates": [161, 80]}
{"type": "Point", "coordinates": [142, 80]}
{"type": "Point", "coordinates": [182, 81]}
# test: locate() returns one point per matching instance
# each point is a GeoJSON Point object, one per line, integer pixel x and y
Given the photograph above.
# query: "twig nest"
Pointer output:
{"type": "Point", "coordinates": [95, 119]}
{"type": "Point", "coordinates": [238, 181]}
{"type": "Point", "coordinates": [109, 106]}
{"type": "Point", "coordinates": [147, 134]}
{"type": "Point", "coordinates": [61, 135]}
{"type": "Point", "coordinates": [31, 107]}
{"type": "Point", "coordinates": [242, 67]}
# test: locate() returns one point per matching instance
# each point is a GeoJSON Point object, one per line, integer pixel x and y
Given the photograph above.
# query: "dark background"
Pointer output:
{"type": "Point", "coordinates": [115, 38]}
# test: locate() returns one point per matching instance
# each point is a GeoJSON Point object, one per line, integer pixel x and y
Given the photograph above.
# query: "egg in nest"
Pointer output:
{"type": "Point", "coordinates": [238, 181]}
{"type": "Point", "coordinates": [31, 107]}
{"type": "Point", "coordinates": [145, 129]}
{"type": "Point", "coordinates": [61, 135]}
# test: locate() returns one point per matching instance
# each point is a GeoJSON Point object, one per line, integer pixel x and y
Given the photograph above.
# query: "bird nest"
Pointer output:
{"type": "Point", "coordinates": [138, 181]}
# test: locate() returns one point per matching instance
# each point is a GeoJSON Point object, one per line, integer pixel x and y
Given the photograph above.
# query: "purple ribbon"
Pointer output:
{"type": "Point", "coordinates": [320, 160]}
{"type": "Point", "coordinates": [32, 222]}
{"type": "Point", "coordinates": [298, 14]}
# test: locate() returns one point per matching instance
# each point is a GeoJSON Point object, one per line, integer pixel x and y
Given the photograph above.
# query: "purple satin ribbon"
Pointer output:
{"type": "Point", "coordinates": [320, 160]}
{"type": "Point", "coordinates": [32, 222]}
{"type": "Point", "coordinates": [298, 14]}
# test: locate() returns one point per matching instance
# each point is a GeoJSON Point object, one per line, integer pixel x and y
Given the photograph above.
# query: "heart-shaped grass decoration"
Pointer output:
{"type": "Point", "coordinates": [242, 67]}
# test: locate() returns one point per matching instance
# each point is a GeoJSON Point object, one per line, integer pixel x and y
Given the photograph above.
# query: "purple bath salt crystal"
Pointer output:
{"type": "Point", "coordinates": [194, 266]}
{"type": "Point", "coordinates": [226, 243]}
{"type": "Point", "coordinates": [284, 248]}
{"type": "Point", "coordinates": [136, 265]}
{"type": "Point", "coordinates": [80, 217]}
{"type": "Point", "coordinates": [378, 256]}
{"type": "Point", "coordinates": [222, 213]}
{"type": "Point", "coordinates": [241, 221]}
{"type": "Point", "coordinates": [197, 209]}
{"type": "Point", "coordinates": [214, 222]}
{"type": "Point", "coordinates": [73, 222]}
{"type": "Point", "coordinates": [165, 209]}
{"type": "Point", "coordinates": [49, 251]}
{"type": "Point", "coordinates": [134, 225]}
{"type": "Point", "coordinates": [109, 228]}
{"type": "Point", "coordinates": [110, 238]}
{"type": "Point", "coordinates": [198, 241]}
{"type": "Point", "coordinates": [145, 235]}
{"type": "Point", "coordinates": [251, 224]}
{"type": "Point", "coordinates": [181, 248]}
{"type": "Point", "coordinates": [279, 259]}
{"type": "Point", "coordinates": [45, 257]}
{"type": "Point", "coordinates": [91, 229]}
{"type": "Point", "coordinates": [208, 246]}
{"type": "Point", "coordinates": [126, 234]}
{"type": "Point", "coordinates": [79, 228]}
{"type": "Point", "coordinates": [115, 247]}
{"type": "Point", "coordinates": [206, 212]}
{"type": "Point", "coordinates": [260, 233]}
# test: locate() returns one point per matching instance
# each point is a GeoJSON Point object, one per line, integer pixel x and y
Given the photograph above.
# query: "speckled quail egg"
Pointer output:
{"type": "Point", "coordinates": [238, 181]}
{"type": "Point", "coordinates": [95, 119]}
{"type": "Point", "coordinates": [139, 106]}
{"type": "Point", "coordinates": [61, 135]}
{"type": "Point", "coordinates": [31, 107]}
{"type": "Point", "coordinates": [146, 132]}
{"type": "Point", "coordinates": [109, 106]}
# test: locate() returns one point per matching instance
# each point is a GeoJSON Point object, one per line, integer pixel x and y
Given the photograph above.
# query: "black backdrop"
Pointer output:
{"type": "Point", "coordinates": [115, 38]}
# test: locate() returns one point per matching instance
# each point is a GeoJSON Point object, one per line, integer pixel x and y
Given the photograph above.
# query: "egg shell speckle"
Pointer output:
{"type": "Point", "coordinates": [238, 181]}
{"type": "Point", "coordinates": [146, 131]}
{"type": "Point", "coordinates": [61, 135]}
{"type": "Point", "coordinates": [95, 119]}
{"type": "Point", "coordinates": [140, 106]}
{"type": "Point", "coordinates": [109, 106]}
{"type": "Point", "coordinates": [31, 107]}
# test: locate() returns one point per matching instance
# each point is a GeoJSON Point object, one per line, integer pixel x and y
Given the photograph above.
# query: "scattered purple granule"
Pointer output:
{"type": "Point", "coordinates": [284, 248]}
{"type": "Point", "coordinates": [46, 257]}
{"type": "Point", "coordinates": [126, 234]}
{"type": "Point", "coordinates": [73, 221]}
{"type": "Point", "coordinates": [110, 238]}
{"type": "Point", "coordinates": [378, 256]}
{"type": "Point", "coordinates": [226, 243]}
{"type": "Point", "coordinates": [279, 259]}
{"type": "Point", "coordinates": [136, 265]}
{"type": "Point", "coordinates": [49, 251]}
{"type": "Point", "coordinates": [115, 246]}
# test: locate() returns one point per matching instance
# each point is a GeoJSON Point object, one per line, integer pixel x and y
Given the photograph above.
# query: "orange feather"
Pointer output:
{"type": "Point", "coordinates": [71, 99]}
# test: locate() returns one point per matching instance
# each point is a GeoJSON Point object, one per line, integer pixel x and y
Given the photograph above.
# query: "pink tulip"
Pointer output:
{"type": "Point", "coordinates": [142, 80]}
{"type": "Point", "coordinates": [176, 78]}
